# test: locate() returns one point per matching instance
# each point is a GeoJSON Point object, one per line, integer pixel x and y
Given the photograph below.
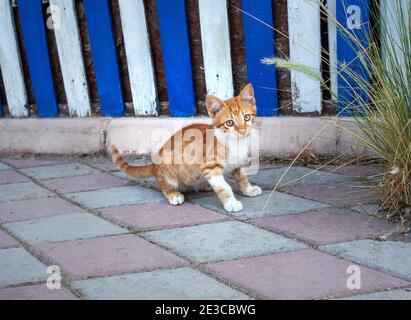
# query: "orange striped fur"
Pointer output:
{"type": "Point", "coordinates": [231, 119]}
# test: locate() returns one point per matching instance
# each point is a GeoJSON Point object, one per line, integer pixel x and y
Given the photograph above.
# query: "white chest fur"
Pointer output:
{"type": "Point", "coordinates": [239, 150]}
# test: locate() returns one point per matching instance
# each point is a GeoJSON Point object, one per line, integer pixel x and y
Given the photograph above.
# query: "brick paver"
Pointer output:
{"type": "Point", "coordinates": [347, 194]}
{"type": "Point", "coordinates": [58, 171]}
{"type": "Point", "coordinates": [296, 175]}
{"type": "Point", "coordinates": [22, 191]}
{"type": "Point", "coordinates": [391, 257]}
{"type": "Point", "coordinates": [398, 294]}
{"type": "Point", "coordinates": [369, 209]}
{"type": "Point", "coordinates": [161, 215]}
{"type": "Point", "coordinates": [35, 208]}
{"type": "Point", "coordinates": [279, 204]}
{"type": "Point", "coordinates": [7, 241]}
{"type": "Point", "coordinates": [109, 166]}
{"type": "Point", "coordinates": [218, 241]}
{"type": "Point", "coordinates": [28, 163]}
{"type": "Point", "coordinates": [117, 196]}
{"type": "Point", "coordinates": [146, 182]}
{"type": "Point", "coordinates": [72, 226]}
{"type": "Point", "coordinates": [305, 274]}
{"type": "Point", "coordinates": [18, 266]}
{"type": "Point", "coordinates": [11, 176]}
{"type": "Point", "coordinates": [353, 170]}
{"type": "Point", "coordinates": [4, 166]}
{"type": "Point", "coordinates": [90, 182]}
{"type": "Point", "coordinates": [108, 255]}
{"type": "Point", "coordinates": [36, 292]}
{"type": "Point", "coordinates": [115, 237]}
{"type": "Point", "coordinates": [327, 226]}
{"type": "Point", "coordinates": [175, 284]}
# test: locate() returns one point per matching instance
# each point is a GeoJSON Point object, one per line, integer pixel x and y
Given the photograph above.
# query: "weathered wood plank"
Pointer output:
{"type": "Point", "coordinates": [259, 44]}
{"type": "Point", "coordinates": [35, 43]}
{"type": "Point", "coordinates": [10, 63]}
{"type": "Point", "coordinates": [215, 39]}
{"type": "Point", "coordinates": [71, 58]}
{"type": "Point", "coordinates": [305, 49]}
{"type": "Point", "coordinates": [138, 52]}
{"type": "Point", "coordinates": [395, 20]}
{"type": "Point", "coordinates": [332, 44]}
{"type": "Point", "coordinates": [104, 53]}
{"type": "Point", "coordinates": [354, 16]}
{"type": "Point", "coordinates": [177, 57]}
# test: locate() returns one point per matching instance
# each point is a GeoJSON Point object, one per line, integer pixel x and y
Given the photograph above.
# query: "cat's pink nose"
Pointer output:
{"type": "Point", "coordinates": [242, 131]}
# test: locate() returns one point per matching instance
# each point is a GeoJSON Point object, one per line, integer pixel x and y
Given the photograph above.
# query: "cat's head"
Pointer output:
{"type": "Point", "coordinates": [234, 116]}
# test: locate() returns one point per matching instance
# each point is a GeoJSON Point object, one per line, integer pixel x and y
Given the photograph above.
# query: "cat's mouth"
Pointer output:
{"type": "Point", "coordinates": [243, 134]}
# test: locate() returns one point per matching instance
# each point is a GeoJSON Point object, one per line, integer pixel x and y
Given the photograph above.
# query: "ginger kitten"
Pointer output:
{"type": "Point", "coordinates": [197, 157]}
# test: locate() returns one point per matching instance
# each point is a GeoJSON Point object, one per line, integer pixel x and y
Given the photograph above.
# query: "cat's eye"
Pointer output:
{"type": "Point", "coordinates": [247, 117]}
{"type": "Point", "coordinates": [229, 123]}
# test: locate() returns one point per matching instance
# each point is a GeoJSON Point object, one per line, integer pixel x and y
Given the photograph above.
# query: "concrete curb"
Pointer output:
{"type": "Point", "coordinates": [279, 136]}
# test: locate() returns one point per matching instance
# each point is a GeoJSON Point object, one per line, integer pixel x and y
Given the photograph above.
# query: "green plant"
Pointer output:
{"type": "Point", "coordinates": [384, 117]}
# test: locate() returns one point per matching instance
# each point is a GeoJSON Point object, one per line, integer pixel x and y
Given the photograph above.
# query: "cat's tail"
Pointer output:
{"type": "Point", "coordinates": [134, 171]}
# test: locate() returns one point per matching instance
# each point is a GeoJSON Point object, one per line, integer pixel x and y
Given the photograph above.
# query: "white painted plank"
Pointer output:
{"type": "Point", "coordinates": [390, 27]}
{"type": "Point", "coordinates": [71, 58]}
{"type": "Point", "coordinates": [10, 63]}
{"type": "Point", "coordinates": [215, 39]}
{"type": "Point", "coordinates": [305, 49]}
{"type": "Point", "coordinates": [139, 61]}
{"type": "Point", "coordinates": [332, 43]}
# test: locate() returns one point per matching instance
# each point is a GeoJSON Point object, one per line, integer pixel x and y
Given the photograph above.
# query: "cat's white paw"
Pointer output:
{"type": "Point", "coordinates": [176, 200]}
{"type": "Point", "coordinates": [233, 205]}
{"type": "Point", "coordinates": [253, 191]}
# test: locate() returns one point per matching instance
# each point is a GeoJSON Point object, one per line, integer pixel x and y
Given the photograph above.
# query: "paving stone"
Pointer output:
{"type": "Point", "coordinates": [175, 284]}
{"type": "Point", "coordinates": [6, 241]}
{"type": "Point", "coordinates": [27, 163]}
{"type": "Point", "coordinates": [146, 182]}
{"type": "Point", "coordinates": [59, 171]}
{"type": "Point", "coordinates": [339, 195]}
{"type": "Point", "coordinates": [369, 209]}
{"type": "Point", "coordinates": [218, 241]}
{"type": "Point", "coordinates": [117, 196]}
{"type": "Point", "coordinates": [279, 204]}
{"type": "Point", "coordinates": [389, 256]}
{"type": "Point", "coordinates": [11, 176]}
{"type": "Point", "coordinates": [4, 166]}
{"type": "Point", "coordinates": [398, 294]}
{"type": "Point", "coordinates": [35, 208]}
{"type": "Point", "coordinates": [36, 292]}
{"type": "Point", "coordinates": [108, 256]}
{"type": "Point", "coordinates": [353, 171]}
{"type": "Point", "coordinates": [109, 166]}
{"type": "Point", "coordinates": [18, 266]}
{"type": "Point", "coordinates": [72, 226]}
{"type": "Point", "coordinates": [295, 177]}
{"type": "Point", "coordinates": [327, 226]}
{"type": "Point", "coordinates": [304, 274]}
{"type": "Point", "coordinates": [84, 183]}
{"type": "Point", "coordinates": [21, 191]}
{"type": "Point", "coordinates": [161, 215]}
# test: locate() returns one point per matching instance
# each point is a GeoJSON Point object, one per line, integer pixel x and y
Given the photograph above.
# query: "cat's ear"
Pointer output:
{"type": "Point", "coordinates": [247, 94]}
{"type": "Point", "coordinates": [214, 106]}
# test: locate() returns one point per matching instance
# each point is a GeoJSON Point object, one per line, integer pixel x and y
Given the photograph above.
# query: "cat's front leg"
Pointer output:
{"type": "Point", "coordinates": [225, 193]}
{"type": "Point", "coordinates": [223, 190]}
{"type": "Point", "coordinates": [245, 187]}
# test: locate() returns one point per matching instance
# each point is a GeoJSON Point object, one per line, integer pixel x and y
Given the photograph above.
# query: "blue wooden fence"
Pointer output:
{"type": "Point", "coordinates": [354, 15]}
{"type": "Point", "coordinates": [259, 36]}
